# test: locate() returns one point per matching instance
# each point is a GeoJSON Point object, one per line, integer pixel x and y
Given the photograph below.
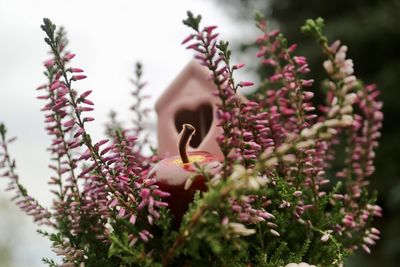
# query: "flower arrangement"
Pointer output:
{"type": "Point", "coordinates": [274, 199]}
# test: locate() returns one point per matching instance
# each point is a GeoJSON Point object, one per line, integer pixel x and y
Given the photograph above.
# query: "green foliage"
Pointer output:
{"type": "Point", "coordinates": [3, 130]}
{"type": "Point", "coordinates": [192, 21]}
{"type": "Point", "coordinates": [314, 27]}
{"type": "Point", "coordinates": [129, 256]}
{"type": "Point", "coordinates": [49, 28]}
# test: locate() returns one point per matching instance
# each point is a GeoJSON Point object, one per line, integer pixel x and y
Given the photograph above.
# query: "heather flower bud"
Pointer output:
{"type": "Point", "coordinates": [305, 144]}
{"type": "Point", "coordinates": [308, 133]}
{"type": "Point", "coordinates": [271, 162]}
{"type": "Point", "coordinates": [292, 48]}
{"type": "Point", "coordinates": [85, 94]}
{"type": "Point", "coordinates": [78, 77]}
{"type": "Point", "coordinates": [69, 56]}
{"type": "Point", "coordinates": [366, 248]}
{"type": "Point", "coordinates": [331, 123]}
{"type": "Point", "coordinates": [297, 193]}
{"type": "Point", "coordinates": [240, 229]}
{"type": "Point", "coordinates": [75, 70]}
{"type": "Point", "coordinates": [348, 109]}
{"type": "Point", "coordinates": [274, 233]}
{"type": "Point", "coordinates": [328, 66]}
{"type": "Point", "coordinates": [238, 66]}
{"type": "Point", "coordinates": [333, 111]}
{"type": "Point", "coordinates": [350, 98]}
{"type": "Point", "coordinates": [187, 39]}
{"type": "Point", "coordinates": [49, 63]}
{"type": "Point", "coordinates": [282, 149]}
{"type": "Point", "coordinates": [346, 120]}
{"type": "Point", "coordinates": [245, 84]}
{"type": "Point", "coordinates": [269, 61]}
{"type": "Point", "coordinates": [88, 119]}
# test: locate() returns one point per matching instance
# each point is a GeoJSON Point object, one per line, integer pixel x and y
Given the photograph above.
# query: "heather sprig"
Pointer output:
{"type": "Point", "coordinates": [140, 130]}
{"type": "Point", "coordinates": [285, 96]}
{"type": "Point", "coordinates": [111, 185]}
{"type": "Point", "coordinates": [362, 134]}
{"type": "Point", "coordinates": [236, 145]}
{"type": "Point", "coordinates": [104, 162]}
{"type": "Point", "coordinates": [141, 115]}
{"type": "Point", "coordinates": [23, 200]}
{"type": "Point", "coordinates": [301, 137]}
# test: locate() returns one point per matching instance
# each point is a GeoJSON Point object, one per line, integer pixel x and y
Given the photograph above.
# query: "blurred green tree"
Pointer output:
{"type": "Point", "coordinates": [371, 30]}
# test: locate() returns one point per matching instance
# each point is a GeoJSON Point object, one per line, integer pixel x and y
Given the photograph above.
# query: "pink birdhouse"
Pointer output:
{"type": "Point", "coordinates": [189, 99]}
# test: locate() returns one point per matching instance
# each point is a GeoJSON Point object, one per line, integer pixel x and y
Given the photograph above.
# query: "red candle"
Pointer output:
{"type": "Point", "coordinates": [178, 175]}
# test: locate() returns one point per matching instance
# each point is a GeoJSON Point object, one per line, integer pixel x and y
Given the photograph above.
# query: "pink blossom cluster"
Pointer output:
{"type": "Point", "coordinates": [114, 182]}
{"type": "Point", "coordinates": [94, 181]}
{"type": "Point", "coordinates": [280, 124]}
{"type": "Point", "coordinates": [234, 112]}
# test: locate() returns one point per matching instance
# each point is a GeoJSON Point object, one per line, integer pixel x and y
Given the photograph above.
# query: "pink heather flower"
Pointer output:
{"type": "Point", "coordinates": [43, 86]}
{"type": "Point", "coordinates": [69, 56]}
{"type": "Point", "coordinates": [245, 84]}
{"type": "Point", "coordinates": [121, 213]}
{"type": "Point", "coordinates": [369, 241]}
{"type": "Point", "coordinates": [297, 193]}
{"type": "Point", "coordinates": [366, 248]}
{"type": "Point", "coordinates": [375, 231]}
{"type": "Point", "coordinates": [87, 101]}
{"type": "Point", "coordinates": [55, 85]}
{"type": "Point", "coordinates": [44, 97]}
{"type": "Point", "coordinates": [78, 77]}
{"type": "Point", "coordinates": [270, 62]}
{"type": "Point", "coordinates": [193, 46]}
{"type": "Point", "coordinates": [292, 48]}
{"type": "Point", "coordinates": [274, 233]}
{"type": "Point", "coordinates": [85, 94]}
{"type": "Point", "coordinates": [273, 33]}
{"type": "Point", "coordinates": [239, 66]}
{"type": "Point", "coordinates": [87, 119]}
{"type": "Point", "coordinates": [307, 83]}
{"type": "Point", "coordinates": [209, 29]}
{"type": "Point", "coordinates": [69, 123]}
{"type": "Point", "coordinates": [49, 63]}
{"type": "Point", "coordinates": [300, 60]}
{"type": "Point", "coordinates": [188, 38]}
{"type": "Point", "coordinates": [325, 237]}
{"type": "Point", "coordinates": [261, 53]}
{"type": "Point", "coordinates": [75, 70]}
{"type": "Point", "coordinates": [84, 109]}
{"type": "Point", "coordinates": [334, 46]}
{"type": "Point", "coordinates": [132, 219]}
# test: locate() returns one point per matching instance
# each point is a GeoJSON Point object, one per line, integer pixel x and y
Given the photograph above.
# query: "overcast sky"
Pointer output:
{"type": "Point", "coordinates": [108, 38]}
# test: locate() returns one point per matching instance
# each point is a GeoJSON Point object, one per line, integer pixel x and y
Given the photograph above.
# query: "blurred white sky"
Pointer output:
{"type": "Point", "coordinates": [108, 38]}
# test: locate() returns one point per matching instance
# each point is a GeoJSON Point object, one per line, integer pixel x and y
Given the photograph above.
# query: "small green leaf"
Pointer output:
{"type": "Point", "coordinates": [192, 21]}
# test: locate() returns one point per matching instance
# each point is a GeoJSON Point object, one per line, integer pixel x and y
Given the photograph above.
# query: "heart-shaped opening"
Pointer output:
{"type": "Point", "coordinates": [201, 119]}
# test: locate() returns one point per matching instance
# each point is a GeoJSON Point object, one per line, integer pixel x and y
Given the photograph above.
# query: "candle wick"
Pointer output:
{"type": "Point", "coordinates": [186, 134]}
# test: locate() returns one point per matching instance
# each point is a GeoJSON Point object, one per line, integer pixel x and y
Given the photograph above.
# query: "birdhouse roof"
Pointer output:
{"type": "Point", "coordinates": [193, 70]}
